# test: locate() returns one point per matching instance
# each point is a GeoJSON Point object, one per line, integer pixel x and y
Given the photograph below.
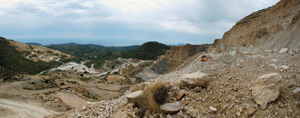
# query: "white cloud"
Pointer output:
{"type": "Point", "coordinates": [183, 26]}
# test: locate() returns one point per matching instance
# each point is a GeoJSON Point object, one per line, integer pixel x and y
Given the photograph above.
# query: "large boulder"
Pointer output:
{"type": "Point", "coordinates": [171, 107]}
{"type": "Point", "coordinates": [193, 80]}
{"type": "Point", "coordinates": [266, 89]}
{"type": "Point", "coordinates": [134, 95]}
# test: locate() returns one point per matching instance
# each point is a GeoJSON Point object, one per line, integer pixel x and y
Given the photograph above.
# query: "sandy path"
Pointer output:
{"type": "Point", "coordinates": [16, 109]}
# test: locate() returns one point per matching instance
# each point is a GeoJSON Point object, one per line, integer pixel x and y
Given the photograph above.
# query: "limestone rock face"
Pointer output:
{"type": "Point", "coordinates": [171, 107]}
{"type": "Point", "coordinates": [266, 89]}
{"type": "Point", "coordinates": [176, 56]}
{"type": "Point", "coordinates": [275, 27]}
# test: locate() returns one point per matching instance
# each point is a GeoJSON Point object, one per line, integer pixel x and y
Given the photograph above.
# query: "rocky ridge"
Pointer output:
{"type": "Point", "coordinates": [176, 56]}
{"type": "Point", "coordinates": [275, 27]}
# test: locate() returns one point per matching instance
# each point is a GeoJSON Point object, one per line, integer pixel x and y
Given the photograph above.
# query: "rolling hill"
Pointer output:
{"type": "Point", "coordinates": [14, 60]}
{"type": "Point", "coordinates": [148, 51]}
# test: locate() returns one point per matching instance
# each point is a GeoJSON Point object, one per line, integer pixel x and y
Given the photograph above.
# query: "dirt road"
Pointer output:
{"type": "Point", "coordinates": [16, 109]}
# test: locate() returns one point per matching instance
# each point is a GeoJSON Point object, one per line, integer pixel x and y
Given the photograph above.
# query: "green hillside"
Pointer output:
{"type": "Point", "coordinates": [12, 61]}
{"type": "Point", "coordinates": [82, 52]}
{"type": "Point", "coordinates": [148, 51]}
{"type": "Point", "coordinates": [124, 48]}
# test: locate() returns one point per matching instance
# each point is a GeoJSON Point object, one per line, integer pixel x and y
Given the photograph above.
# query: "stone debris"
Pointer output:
{"type": "Point", "coordinates": [197, 89]}
{"type": "Point", "coordinates": [171, 107]}
{"type": "Point", "coordinates": [193, 80]}
{"type": "Point", "coordinates": [251, 111]}
{"type": "Point", "coordinates": [266, 89]}
{"type": "Point", "coordinates": [192, 112]}
{"type": "Point", "coordinates": [169, 116]}
{"type": "Point", "coordinates": [283, 50]}
{"type": "Point", "coordinates": [180, 94]}
{"type": "Point", "coordinates": [282, 66]}
{"type": "Point", "coordinates": [83, 108]}
{"type": "Point", "coordinates": [296, 93]}
{"type": "Point", "coordinates": [213, 109]}
{"type": "Point", "coordinates": [134, 95]}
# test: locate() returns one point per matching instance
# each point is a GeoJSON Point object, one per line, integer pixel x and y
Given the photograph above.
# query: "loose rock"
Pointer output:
{"type": "Point", "coordinates": [192, 113]}
{"type": "Point", "coordinates": [251, 111]}
{"type": "Point", "coordinates": [83, 108]}
{"type": "Point", "coordinates": [283, 50]}
{"type": "Point", "coordinates": [134, 95]}
{"type": "Point", "coordinates": [171, 107]}
{"type": "Point", "coordinates": [197, 89]}
{"type": "Point", "coordinates": [296, 93]}
{"type": "Point", "coordinates": [266, 89]}
{"type": "Point", "coordinates": [213, 109]}
{"type": "Point", "coordinates": [180, 94]}
{"type": "Point", "coordinates": [193, 80]}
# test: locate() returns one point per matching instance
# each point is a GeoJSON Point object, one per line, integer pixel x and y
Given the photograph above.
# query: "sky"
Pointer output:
{"type": "Point", "coordinates": [122, 22]}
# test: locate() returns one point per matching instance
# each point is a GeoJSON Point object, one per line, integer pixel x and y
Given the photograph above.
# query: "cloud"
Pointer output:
{"type": "Point", "coordinates": [176, 21]}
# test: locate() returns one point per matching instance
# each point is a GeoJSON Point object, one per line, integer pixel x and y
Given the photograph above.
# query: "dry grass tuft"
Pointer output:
{"type": "Point", "coordinates": [153, 96]}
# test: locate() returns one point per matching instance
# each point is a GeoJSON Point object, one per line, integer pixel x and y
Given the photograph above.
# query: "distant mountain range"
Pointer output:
{"type": "Point", "coordinates": [115, 48]}
{"type": "Point", "coordinates": [97, 54]}
{"type": "Point", "coordinates": [123, 48]}
{"type": "Point", "coordinates": [33, 43]}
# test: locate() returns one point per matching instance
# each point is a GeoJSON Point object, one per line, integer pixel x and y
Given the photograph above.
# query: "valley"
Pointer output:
{"type": "Point", "coordinates": [252, 71]}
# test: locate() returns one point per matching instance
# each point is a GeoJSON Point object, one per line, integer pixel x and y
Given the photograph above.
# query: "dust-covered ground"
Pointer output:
{"type": "Point", "coordinates": [231, 90]}
{"type": "Point", "coordinates": [66, 88]}
{"type": "Point", "coordinates": [16, 109]}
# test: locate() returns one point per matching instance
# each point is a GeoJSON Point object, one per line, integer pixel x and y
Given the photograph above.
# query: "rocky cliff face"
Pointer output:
{"type": "Point", "coordinates": [272, 28]}
{"type": "Point", "coordinates": [176, 56]}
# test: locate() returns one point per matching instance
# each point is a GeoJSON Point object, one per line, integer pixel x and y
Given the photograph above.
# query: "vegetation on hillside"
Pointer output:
{"type": "Point", "coordinates": [82, 52]}
{"type": "Point", "coordinates": [124, 48]}
{"type": "Point", "coordinates": [97, 54]}
{"type": "Point", "coordinates": [12, 62]}
{"type": "Point", "coordinates": [148, 51]}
